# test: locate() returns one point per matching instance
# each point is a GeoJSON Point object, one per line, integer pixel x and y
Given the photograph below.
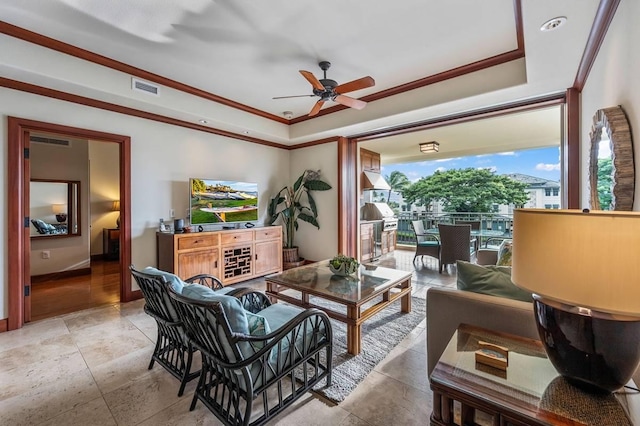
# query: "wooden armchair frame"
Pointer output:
{"type": "Point", "coordinates": [173, 351]}
{"type": "Point", "coordinates": [287, 362]}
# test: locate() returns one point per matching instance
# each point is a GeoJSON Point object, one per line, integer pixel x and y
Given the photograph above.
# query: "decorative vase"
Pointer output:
{"type": "Point", "coordinates": [345, 269]}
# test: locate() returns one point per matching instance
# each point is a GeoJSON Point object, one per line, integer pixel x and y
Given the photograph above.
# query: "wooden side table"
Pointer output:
{"type": "Point", "coordinates": [530, 392]}
{"type": "Point", "coordinates": [111, 243]}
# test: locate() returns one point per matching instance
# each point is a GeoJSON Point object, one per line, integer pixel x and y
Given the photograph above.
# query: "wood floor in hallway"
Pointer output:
{"type": "Point", "coordinates": [70, 294]}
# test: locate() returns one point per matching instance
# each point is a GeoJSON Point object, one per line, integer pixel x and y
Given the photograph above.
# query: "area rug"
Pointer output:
{"type": "Point", "coordinates": [380, 334]}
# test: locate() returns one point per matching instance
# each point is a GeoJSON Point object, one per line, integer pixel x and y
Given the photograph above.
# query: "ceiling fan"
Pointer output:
{"type": "Point", "coordinates": [329, 90]}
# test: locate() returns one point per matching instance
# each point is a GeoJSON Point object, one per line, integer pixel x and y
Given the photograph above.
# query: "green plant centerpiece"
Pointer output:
{"type": "Point", "coordinates": [343, 265]}
{"type": "Point", "coordinates": [295, 203]}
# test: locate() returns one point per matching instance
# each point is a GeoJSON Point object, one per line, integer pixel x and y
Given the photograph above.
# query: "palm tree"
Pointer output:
{"type": "Point", "coordinates": [398, 181]}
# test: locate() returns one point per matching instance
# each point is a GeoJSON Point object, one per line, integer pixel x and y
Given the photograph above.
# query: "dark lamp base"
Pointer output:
{"type": "Point", "coordinates": [593, 352]}
{"type": "Point", "coordinates": [61, 217]}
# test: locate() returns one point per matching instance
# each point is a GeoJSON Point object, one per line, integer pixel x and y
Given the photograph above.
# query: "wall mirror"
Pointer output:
{"type": "Point", "coordinates": [54, 208]}
{"type": "Point", "coordinates": [611, 165]}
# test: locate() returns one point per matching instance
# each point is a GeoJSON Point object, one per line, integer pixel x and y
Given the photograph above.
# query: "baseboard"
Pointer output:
{"type": "Point", "coordinates": [4, 325]}
{"type": "Point", "coordinates": [100, 256]}
{"type": "Point", "coordinates": [35, 279]}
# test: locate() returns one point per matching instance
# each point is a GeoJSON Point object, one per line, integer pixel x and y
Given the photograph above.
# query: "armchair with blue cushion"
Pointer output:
{"type": "Point", "coordinates": [173, 351]}
{"type": "Point", "coordinates": [426, 244]}
{"type": "Point", "coordinates": [252, 350]}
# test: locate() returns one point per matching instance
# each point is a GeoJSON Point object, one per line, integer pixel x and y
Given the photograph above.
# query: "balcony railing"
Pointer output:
{"type": "Point", "coordinates": [488, 221]}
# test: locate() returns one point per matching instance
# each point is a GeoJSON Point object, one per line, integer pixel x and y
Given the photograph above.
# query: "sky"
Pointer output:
{"type": "Point", "coordinates": [540, 162]}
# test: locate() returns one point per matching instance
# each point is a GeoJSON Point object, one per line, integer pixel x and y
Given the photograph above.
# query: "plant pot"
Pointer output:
{"type": "Point", "coordinates": [344, 270]}
{"type": "Point", "coordinates": [290, 255]}
{"type": "Point", "coordinates": [290, 265]}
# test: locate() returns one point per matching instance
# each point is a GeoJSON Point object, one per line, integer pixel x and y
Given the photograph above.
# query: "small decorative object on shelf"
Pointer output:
{"type": "Point", "coordinates": [493, 355]}
{"type": "Point", "coordinates": [343, 265]}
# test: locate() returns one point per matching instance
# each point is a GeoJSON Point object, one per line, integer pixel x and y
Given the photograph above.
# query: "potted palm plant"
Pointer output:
{"type": "Point", "coordinates": [293, 204]}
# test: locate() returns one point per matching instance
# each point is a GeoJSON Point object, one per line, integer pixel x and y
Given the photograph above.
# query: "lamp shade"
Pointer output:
{"type": "Point", "coordinates": [116, 206]}
{"type": "Point", "coordinates": [586, 260]}
{"type": "Point", "coordinates": [59, 208]}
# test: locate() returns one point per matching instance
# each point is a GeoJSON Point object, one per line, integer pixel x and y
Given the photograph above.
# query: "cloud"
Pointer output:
{"type": "Point", "coordinates": [547, 167]}
{"type": "Point", "coordinates": [442, 160]}
{"type": "Point", "coordinates": [441, 169]}
{"type": "Point", "coordinates": [507, 153]}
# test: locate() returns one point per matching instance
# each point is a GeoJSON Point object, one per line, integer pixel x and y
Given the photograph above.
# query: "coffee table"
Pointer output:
{"type": "Point", "coordinates": [530, 392]}
{"type": "Point", "coordinates": [368, 283]}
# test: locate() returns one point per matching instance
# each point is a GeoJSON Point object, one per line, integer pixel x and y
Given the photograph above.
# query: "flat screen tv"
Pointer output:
{"type": "Point", "coordinates": [222, 201]}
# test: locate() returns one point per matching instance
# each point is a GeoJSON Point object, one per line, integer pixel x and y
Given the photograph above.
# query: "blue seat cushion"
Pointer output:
{"type": "Point", "coordinates": [430, 243]}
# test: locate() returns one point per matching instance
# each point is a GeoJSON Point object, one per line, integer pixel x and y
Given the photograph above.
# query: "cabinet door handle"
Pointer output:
{"type": "Point", "coordinates": [215, 264]}
{"type": "Point", "coordinates": [197, 241]}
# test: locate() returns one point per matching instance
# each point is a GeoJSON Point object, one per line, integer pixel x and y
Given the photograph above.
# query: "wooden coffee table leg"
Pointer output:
{"type": "Point", "coordinates": [354, 331]}
{"type": "Point", "coordinates": [405, 302]}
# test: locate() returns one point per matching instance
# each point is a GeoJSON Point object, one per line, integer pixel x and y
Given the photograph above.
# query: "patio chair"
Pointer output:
{"type": "Point", "coordinates": [475, 226]}
{"type": "Point", "coordinates": [454, 240]}
{"type": "Point", "coordinates": [426, 244]}
{"type": "Point", "coordinates": [173, 351]}
{"type": "Point", "coordinates": [255, 362]}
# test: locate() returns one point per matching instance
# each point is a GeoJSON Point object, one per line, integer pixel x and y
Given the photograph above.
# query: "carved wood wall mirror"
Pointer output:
{"type": "Point", "coordinates": [611, 165]}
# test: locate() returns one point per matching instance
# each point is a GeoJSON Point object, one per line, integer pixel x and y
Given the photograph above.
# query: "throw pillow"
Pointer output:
{"type": "Point", "coordinates": [505, 252]}
{"type": "Point", "coordinates": [258, 325]}
{"type": "Point", "coordinates": [491, 280]}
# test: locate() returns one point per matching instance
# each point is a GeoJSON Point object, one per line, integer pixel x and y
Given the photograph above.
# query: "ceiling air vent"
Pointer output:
{"type": "Point", "coordinates": [145, 86]}
{"type": "Point", "coordinates": [50, 141]}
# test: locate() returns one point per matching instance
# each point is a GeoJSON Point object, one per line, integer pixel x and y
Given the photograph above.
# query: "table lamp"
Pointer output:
{"type": "Point", "coordinates": [60, 210]}
{"type": "Point", "coordinates": [583, 269]}
{"type": "Point", "coordinates": [116, 208]}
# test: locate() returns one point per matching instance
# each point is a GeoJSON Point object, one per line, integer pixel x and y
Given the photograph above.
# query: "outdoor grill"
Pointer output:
{"type": "Point", "coordinates": [380, 211]}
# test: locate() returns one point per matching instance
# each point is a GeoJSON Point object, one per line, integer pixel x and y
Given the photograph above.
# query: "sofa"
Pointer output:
{"type": "Point", "coordinates": [447, 308]}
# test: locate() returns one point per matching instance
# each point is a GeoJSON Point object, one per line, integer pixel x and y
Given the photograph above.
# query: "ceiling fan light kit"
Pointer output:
{"type": "Point", "coordinates": [429, 147]}
{"type": "Point", "coordinates": [329, 90]}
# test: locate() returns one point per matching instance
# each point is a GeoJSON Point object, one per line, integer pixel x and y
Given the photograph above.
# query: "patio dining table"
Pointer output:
{"type": "Point", "coordinates": [485, 235]}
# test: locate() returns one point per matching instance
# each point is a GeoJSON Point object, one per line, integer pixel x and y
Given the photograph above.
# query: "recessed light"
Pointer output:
{"type": "Point", "coordinates": [553, 23]}
{"type": "Point", "coordinates": [246, 132]}
{"type": "Point", "coordinates": [203, 122]}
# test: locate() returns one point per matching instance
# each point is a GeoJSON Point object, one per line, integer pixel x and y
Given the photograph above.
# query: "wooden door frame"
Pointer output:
{"type": "Point", "coordinates": [18, 244]}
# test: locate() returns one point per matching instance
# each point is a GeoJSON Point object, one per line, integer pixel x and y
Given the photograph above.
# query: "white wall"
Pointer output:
{"type": "Point", "coordinates": [613, 80]}
{"type": "Point", "coordinates": [104, 170]}
{"type": "Point", "coordinates": [62, 163]}
{"type": "Point", "coordinates": [163, 159]}
{"type": "Point", "coordinates": [319, 244]}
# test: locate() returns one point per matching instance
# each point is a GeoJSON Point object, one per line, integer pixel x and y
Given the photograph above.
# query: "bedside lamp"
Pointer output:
{"type": "Point", "coordinates": [116, 208]}
{"type": "Point", "coordinates": [60, 210]}
{"type": "Point", "coordinates": [584, 271]}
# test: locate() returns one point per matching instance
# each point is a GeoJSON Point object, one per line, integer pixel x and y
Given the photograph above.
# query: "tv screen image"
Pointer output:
{"type": "Point", "coordinates": [222, 201]}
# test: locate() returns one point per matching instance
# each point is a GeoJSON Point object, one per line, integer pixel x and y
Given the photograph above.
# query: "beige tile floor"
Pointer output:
{"type": "Point", "coordinates": [90, 368]}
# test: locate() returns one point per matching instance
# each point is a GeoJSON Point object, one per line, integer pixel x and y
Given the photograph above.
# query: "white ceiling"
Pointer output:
{"type": "Point", "coordinates": [250, 51]}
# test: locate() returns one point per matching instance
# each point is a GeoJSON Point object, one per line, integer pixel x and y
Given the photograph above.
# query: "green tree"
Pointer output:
{"type": "Point", "coordinates": [398, 181]}
{"type": "Point", "coordinates": [466, 190]}
{"type": "Point", "coordinates": [605, 181]}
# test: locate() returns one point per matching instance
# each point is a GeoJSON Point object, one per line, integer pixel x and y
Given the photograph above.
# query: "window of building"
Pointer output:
{"type": "Point", "coordinates": [556, 191]}
{"type": "Point", "coordinates": [547, 192]}
{"type": "Point", "coordinates": [547, 206]}
{"type": "Point", "coordinates": [556, 206]}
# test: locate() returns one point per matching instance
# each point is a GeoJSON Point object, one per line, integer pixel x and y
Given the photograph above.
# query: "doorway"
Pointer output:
{"type": "Point", "coordinates": [76, 265]}
{"type": "Point", "coordinates": [19, 241]}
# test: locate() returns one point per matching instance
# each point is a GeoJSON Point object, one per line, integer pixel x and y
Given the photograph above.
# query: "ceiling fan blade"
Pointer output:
{"type": "Point", "coordinates": [312, 79]}
{"type": "Point", "coordinates": [361, 83]}
{"type": "Point", "coordinates": [316, 108]}
{"type": "Point", "coordinates": [294, 96]}
{"type": "Point", "coordinates": [350, 102]}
